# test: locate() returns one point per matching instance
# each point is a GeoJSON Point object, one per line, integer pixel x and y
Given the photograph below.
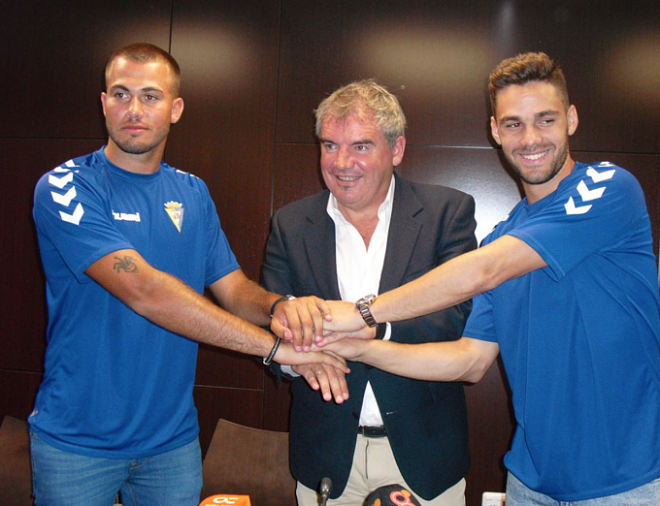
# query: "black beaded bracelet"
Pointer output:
{"type": "Point", "coordinates": [288, 296]}
{"type": "Point", "coordinates": [273, 350]}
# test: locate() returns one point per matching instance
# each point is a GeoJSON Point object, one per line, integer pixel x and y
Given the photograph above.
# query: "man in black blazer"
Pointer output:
{"type": "Point", "coordinates": [373, 231]}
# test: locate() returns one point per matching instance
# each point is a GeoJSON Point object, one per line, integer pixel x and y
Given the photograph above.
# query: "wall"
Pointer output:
{"type": "Point", "coordinates": [253, 71]}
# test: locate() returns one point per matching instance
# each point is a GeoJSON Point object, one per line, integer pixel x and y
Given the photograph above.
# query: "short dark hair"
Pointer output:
{"type": "Point", "coordinates": [142, 52]}
{"type": "Point", "coordinates": [525, 68]}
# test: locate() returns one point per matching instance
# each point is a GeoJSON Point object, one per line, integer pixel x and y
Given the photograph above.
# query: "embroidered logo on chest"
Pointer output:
{"type": "Point", "coordinates": [175, 211]}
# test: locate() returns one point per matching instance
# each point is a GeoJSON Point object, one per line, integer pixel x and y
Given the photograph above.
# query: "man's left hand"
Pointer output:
{"type": "Point", "coordinates": [330, 380]}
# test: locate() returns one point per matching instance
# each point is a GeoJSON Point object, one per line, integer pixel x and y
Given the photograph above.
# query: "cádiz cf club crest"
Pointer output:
{"type": "Point", "coordinates": [175, 211]}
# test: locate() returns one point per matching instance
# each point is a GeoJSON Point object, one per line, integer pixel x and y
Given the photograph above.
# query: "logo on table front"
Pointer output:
{"type": "Point", "coordinates": [175, 211]}
{"type": "Point", "coordinates": [228, 499]}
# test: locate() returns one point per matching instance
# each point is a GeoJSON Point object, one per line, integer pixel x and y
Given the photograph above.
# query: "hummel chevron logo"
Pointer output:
{"type": "Point", "coordinates": [60, 182]}
{"type": "Point", "coordinates": [588, 194]}
{"type": "Point", "coordinates": [598, 177]}
{"type": "Point", "coordinates": [75, 217]}
{"type": "Point", "coordinates": [585, 193]}
{"type": "Point", "coordinates": [65, 199]}
{"type": "Point", "coordinates": [572, 209]}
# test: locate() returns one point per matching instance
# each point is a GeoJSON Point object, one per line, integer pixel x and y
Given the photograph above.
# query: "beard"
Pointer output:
{"type": "Point", "coordinates": [540, 177]}
{"type": "Point", "coordinates": [136, 146]}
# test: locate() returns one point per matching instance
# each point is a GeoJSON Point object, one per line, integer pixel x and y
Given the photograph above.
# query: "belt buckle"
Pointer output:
{"type": "Point", "coordinates": [373, 432]}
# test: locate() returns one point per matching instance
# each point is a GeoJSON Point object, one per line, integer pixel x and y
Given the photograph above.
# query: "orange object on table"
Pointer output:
{"type": "Point", "coordinates": [227, 500]}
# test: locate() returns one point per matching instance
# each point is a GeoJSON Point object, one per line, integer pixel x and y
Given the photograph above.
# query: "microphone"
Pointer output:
{"type": "Point", "coordinates": [392, 495]}
{"type": "Point", "coordinates": [325, 489]}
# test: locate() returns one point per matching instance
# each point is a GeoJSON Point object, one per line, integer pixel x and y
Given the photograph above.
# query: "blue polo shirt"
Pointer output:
{"type": "Point", "coordinates": [580, 338]}
{"type": "Point", "coordinates": [115, 384]}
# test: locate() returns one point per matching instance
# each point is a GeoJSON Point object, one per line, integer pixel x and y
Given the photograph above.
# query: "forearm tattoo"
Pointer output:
{"type": "Point", "coordinates": [126, 264]}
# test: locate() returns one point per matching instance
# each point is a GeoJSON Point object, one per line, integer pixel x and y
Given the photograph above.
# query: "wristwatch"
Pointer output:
{"type": "Point", "coordinates": [364, 307]}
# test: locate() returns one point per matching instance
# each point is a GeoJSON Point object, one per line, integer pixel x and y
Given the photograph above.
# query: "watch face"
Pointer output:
{"type": "Point", "coordinates": [367, 299]}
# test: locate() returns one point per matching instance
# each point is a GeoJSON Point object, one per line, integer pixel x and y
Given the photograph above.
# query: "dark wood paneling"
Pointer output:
{"type": "Point", "coordinates": [224, 368]}
{"type": "Point", "coordinates": [228, 55]}
{"type": "Point", "coordinates": [436, 56]}
{"type": "Point", "coordinates": [57, 51]}
{"type": "Point", "coordinates": [491, 423]}
{"type": "Point", "coordinates": [18, 392]}
{"type": "Point", "coordinates": [237, 405]}
{"type": "Point", "coordinates": [297, 173]}
{"type": "Point", "coordinates": [424, 51]}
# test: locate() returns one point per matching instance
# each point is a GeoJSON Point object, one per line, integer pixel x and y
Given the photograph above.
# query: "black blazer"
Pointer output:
{"type": "Point", "coordinates": [426, 421]}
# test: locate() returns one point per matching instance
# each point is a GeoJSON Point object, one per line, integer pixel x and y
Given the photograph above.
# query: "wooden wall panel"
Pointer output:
{"type": "Point", "coordinates": [237, 405]}
{"type": "Point", "coordinates": [57, 52]}
{"type": "Point", "coordinates": [491, 423]}
{"type": "Point", "coordinates": [297, 173]}
{"type": "Point", "coordinates": [424, 51]}
{"type": "Point", "coordinates": [224, 368]}
{"type": "Point", "coordinates": [18, 392]}
{"type": "Point", "coordinates": [228, 55]}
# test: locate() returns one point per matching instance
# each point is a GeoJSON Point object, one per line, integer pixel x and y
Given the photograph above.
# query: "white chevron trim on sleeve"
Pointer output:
{"type": "Point", "coordinates": [598, 177]}
{"type": "Point", "coordinates": [60, 182]}
{"type": "Point", "coordinates": [572, 209]}
{"type": "Point", "coordinates": [585, 193]}
{"type": "Point", "coordinates": [75, 217]}
{"type": "Point", "coordinates": [588, 194]}
{"type": "Point", "coordinates": [65, 199]}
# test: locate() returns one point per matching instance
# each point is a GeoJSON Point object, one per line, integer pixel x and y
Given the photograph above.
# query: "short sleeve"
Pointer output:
{"type": "Point", "coordinates": [588, 214]}
{"type": "Point", "coordinates": [480, 324]}
{"type": "Point", "coordinates": [72, 216]}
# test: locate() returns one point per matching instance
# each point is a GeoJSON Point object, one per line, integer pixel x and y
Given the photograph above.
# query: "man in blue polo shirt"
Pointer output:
{"type": "Point", "coordinates": [128, 244]}
{"type": "Point", "coordinates": [566, 289]}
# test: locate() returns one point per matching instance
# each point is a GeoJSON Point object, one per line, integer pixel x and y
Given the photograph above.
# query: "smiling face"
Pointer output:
{"type": "Point", "coordinates": [139, 107]}
{"type": "Point", "coordinates": [532, 125]}
{"type": "Point", "coordinates": [357, 162]}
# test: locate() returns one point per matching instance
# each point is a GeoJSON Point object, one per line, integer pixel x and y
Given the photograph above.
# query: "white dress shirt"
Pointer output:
{"type": "Point", "coordinates": [358, 272]}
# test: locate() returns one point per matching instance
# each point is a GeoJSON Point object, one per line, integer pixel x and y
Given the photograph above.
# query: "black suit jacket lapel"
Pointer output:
{"type": "Point", "coordinates": [319, 241]}
{"type": "Point", "coordinates": [402, 236]}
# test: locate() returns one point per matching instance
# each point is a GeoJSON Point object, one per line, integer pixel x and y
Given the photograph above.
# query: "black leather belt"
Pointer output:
{"type": "Point", "coordinates": [372, 431]}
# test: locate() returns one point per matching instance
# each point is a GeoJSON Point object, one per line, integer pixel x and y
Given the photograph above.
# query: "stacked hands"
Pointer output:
{"type": "Point", "coordinates": [320, 336]}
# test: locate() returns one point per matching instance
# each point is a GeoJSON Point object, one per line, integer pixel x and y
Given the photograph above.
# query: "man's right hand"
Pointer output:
{"type": "Point", "coordinates": [330, 380]}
